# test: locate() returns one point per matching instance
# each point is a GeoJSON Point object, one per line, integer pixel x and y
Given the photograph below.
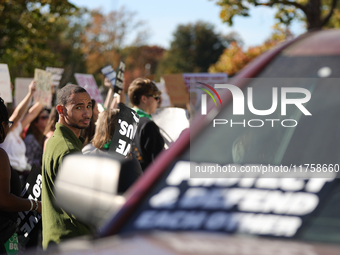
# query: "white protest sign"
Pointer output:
{"type": "Point", "coordinates": [165, 97]}
{"type": "Point", "coordinates": [88, 82]}
{"type": "Point", "coordinates": [43, 93]}
{"type": "Point", "coordinates": [5, 84]}
{"type": "Point", "coordinates": [57, 73]}
{"type": "Point", "coordinates": [171, 121]}
{"type": "Point", "coordinates": [21, 89]}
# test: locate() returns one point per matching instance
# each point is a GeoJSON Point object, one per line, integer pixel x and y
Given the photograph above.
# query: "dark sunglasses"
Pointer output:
{"type": "Point", "coordinates": [155, 97]}
{"type": "Point", "coordinates": [44, 117]}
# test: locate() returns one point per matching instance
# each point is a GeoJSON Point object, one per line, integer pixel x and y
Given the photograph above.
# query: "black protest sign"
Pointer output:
{"type": "Point", "coordinates": [119, 78]}
{"type": "Point", "coordinates": [277, 207]}
{"type": "Point", "coordinates": [109, 73]}
{"type": "Point", "coordinates": [29, 219]}
{"type": "Point", "coordinates": [125, 130]}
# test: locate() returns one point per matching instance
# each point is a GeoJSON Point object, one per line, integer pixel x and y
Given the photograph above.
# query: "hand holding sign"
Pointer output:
{"type": "Point", "coordinates": [32, 87]}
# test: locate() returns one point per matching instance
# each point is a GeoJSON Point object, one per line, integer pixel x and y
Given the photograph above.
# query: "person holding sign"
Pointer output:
{"type": "Point", "coordinates": [75, 111]}
{"type": "Point", "coordinates": [101, 142]}
{"type": "Point", "coordinates": [113, 99]}
{"type": "Point", "coordinates": [148, 142]}
{"type": "Point", "coordinates": [14, 145]}
{"type": "Point", "coordinates": [10, 189]}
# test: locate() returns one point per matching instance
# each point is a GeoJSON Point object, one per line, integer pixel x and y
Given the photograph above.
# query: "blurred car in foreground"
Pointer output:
{"type": "Point", "coordinates": [254, 179]}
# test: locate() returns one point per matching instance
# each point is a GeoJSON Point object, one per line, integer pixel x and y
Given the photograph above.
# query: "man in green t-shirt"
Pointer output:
{"type": "Point", "coordinates": [75, 110]}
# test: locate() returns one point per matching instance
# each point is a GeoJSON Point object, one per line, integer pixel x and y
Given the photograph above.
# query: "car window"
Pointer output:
{"type": "Point", "coordinates": [295, 138]}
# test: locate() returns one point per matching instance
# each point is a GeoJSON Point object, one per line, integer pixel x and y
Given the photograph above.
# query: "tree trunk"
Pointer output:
{"type": "Point", "coordinates": [313, 14]}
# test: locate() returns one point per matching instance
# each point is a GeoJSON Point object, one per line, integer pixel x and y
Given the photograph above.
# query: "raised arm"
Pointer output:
{"type": "Point", "coordinates": [118, 99]}
{"type": "Point", "coordinates": [33, 112]}
{"type": "Point", "coordinates": [22, 106]}
{"type": "Point", "coordinates": [109, 96]}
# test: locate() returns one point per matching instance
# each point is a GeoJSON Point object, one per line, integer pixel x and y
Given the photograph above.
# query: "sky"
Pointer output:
{"type": "Point", "coordinates": [163, 17]}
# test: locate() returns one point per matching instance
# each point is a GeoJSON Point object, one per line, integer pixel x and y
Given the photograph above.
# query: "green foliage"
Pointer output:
{"type": "Point", "coordinates": [316, 13]}
{"type": "Point", "coordinates": [36, 34]}
{"type": "Point", "coordinates": [194, 48]}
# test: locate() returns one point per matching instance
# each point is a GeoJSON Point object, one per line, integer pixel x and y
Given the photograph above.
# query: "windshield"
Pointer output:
{"type": "Point", "coordinates": [286, 136]}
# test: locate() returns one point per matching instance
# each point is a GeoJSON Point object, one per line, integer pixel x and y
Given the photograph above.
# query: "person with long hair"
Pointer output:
{"type": "Point", "coordinates": [14, 144]}
{"type": "Point", "coordinates": [50, 126]}
{"type": "Point", "coordinates": [35, 138]}
{"type": "Point", "coordinates": [10, 201]}
{"type": "Point", "coordinates": [105, 128]}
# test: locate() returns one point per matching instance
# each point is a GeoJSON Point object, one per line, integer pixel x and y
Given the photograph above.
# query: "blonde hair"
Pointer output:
{"type": "Point", "coordinates": [106, 126]}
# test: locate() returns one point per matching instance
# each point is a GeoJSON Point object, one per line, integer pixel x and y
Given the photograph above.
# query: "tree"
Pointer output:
{"type": "Point", "coordinates": [27, 30]}
{"type": "Point", "coordinates": [234, 58]}
{"type": "Point", "coordinates": [316, 13]}
{"type": "Point", "coordinates": [193, 49]}
{"type": "Point", "coordinates": [138, 59]}
{"type": "Point", "coordinates": [106, 35]}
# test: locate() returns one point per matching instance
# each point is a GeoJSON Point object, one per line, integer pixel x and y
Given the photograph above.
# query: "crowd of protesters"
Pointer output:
{"type": "Point", "coordinates": [43, 137]}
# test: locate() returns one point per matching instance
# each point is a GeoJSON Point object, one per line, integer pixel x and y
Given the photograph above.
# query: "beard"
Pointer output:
{"type": "Point", "coordinates": [74, 125]}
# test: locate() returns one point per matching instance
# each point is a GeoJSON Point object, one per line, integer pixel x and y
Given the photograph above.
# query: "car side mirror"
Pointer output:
{"type": "Point", "coordinates": [87, 187]}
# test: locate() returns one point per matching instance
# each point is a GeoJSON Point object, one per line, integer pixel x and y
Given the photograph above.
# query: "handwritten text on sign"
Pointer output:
{"type": "Point", "coordinates": [43, 93]}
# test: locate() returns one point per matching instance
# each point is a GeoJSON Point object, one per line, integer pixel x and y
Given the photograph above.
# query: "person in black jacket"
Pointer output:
{"type": "Point", "coordinates": [148, 142]}
{"type": "Point", "coordinates": [10, 201]}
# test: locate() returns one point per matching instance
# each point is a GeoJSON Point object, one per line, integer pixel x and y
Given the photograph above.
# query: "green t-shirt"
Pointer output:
{"type": "Point", "coordinates": [57, 224]}
{"type": "Point", "coordinates": [141, 113]}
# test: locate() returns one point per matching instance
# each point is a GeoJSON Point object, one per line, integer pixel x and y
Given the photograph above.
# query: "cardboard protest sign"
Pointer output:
{"type": "Point", "coordinates": [5, 84]}
{"type": "Point", "coordinates": [43, 93]}
{"type": "Point", "coordinates": [109, 73]}
{"type": "Point", "coordinates": [176, 89]}
{"type": "Point", "coordinates": [21, 89]}
{"type": "Point", "coordinates": [119, 78]}
{"type": "Point", "coordinates": [88, 82]}
{"type": "Point", "coordinates": [57, 74]}
{"type": "Point", "coordinates": [125, 130]}
{"type": "Point", "coordinates": [28, 220]}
